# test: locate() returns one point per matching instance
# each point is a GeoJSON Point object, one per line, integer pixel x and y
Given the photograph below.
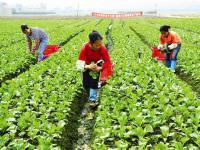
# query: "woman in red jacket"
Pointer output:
{"type": "Point", "coordinates": [173, 43]}
{"type": "Point", "coordinates": [91, 52]}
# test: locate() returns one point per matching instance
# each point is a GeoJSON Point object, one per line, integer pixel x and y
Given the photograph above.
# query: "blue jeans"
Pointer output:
{"type": "Point", "coordinates": [41, 49]}
{"type": "Point", "coordinates": [171, 63]}
{"type": "Point", "coordinates": [90, 84]}
{"type": "Point", "coordinates": [93, 95]}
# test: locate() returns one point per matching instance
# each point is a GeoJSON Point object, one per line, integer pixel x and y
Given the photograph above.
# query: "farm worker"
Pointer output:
{"type": "Point", "coordinates": [90, 54]}
{"type": "Point", "coordinates": [40, 37]}
{"type": "Point", "coordinates": [172, 42]}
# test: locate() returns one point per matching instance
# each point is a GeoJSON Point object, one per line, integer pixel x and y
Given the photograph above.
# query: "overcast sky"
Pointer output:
{"type": "Point", "coordinates": [113, 4]}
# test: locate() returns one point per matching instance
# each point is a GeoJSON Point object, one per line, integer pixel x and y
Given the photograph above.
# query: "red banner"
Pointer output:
{"type": "Point", "coordinates": [127, 15]}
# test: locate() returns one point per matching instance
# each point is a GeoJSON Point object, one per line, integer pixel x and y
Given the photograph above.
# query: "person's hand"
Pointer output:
{"type": "Point", "coordinates": [32, 51]}
{"type": "Point", "coordinates": [91, 67]}
{"type": "Point", "coordinates": [172, 46]}
{"type": "Point", "coordinates": [102, 83]}
{"type": "Point", "coordinates": [160, 47]}
{"type": "Point", "coordinates": [162, 51]}
{"type": "Point", "coordinates": [97, 69]}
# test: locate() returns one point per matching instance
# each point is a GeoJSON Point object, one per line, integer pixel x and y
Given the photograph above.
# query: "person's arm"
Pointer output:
{"type": "Point", "coordinates": [162, 42]}
{"type": "Point", "coordinates": [91, 67]}
{"type": "Point", "coordinates": [106, 58]}
{"type": "Point", "coordinates": [36, 36]}
{"type": "Point", "coordinates": [29, 44]}
{"type": "Point", "coordinates": [81, 63]}
{"type": "Point", "coordinates": [37, 44]}
{"type": "Point", "coordinates": [174, 43]}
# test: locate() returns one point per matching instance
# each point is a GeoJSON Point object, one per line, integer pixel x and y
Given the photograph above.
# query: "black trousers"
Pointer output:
{"type": "Point", "coordinates": [89, 82]}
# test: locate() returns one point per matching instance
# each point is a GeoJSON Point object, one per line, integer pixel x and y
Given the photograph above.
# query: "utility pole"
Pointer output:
{"type": "Point", "coordinates": [77, 13]}
{"type": "Point", "coordinates": [156, 9]}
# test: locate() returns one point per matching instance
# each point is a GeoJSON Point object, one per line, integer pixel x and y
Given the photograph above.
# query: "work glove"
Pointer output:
{"type": "Point", "coordinates": [160, 47]}
{"type": "Point", "coordinates": [80, 65]}
{"type": "Point", "coordinates": [172, 46]}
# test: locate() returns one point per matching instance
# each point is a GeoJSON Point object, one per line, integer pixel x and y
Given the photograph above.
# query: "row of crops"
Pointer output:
{"type": "Point", "coordinates": [188, 58]}
{"type": "Point", "coordinates": [143, 106]}
{"type": "Point", "coordinates": [35, 106]}
{"type": "Point", "coordinates": [16, 56]}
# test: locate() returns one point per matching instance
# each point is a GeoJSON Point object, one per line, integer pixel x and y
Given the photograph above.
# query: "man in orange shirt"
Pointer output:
{"type": "Point", "coordinates": [173, 42]}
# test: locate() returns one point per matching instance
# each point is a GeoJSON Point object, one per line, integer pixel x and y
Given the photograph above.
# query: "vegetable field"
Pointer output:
{"type": "Point", "coordinates": [143, 105]}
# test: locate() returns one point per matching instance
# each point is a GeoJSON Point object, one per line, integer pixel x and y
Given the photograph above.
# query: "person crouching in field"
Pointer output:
{"type": "Point", "coordinates": [170, 42]}
{"type": "Point", "coordinates": [90, 54]}
{"type": "Point", "coordinates": [40, 37]}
